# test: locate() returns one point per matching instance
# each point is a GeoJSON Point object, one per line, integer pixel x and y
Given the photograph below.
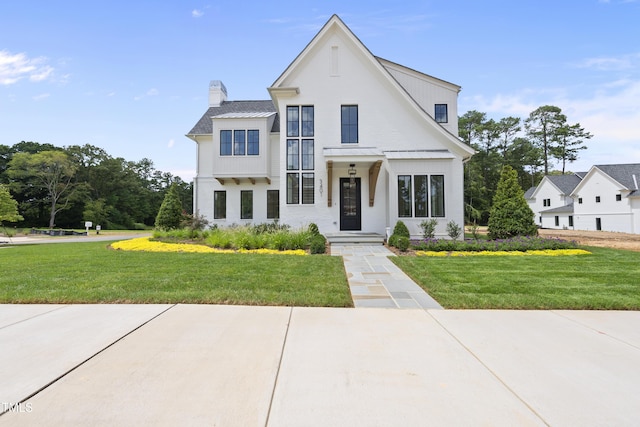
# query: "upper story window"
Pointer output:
{"type": "Point", "coordinates": [546, 202]}
{"type": "Point", "coordinates": [307, 120]}
{"type": "Point", "coordinates": [618, 197]}
{"type": "Point", "coordinates": [441, 114]}
{"type": "Point", "coordinates": [349, 120]}
{"type": "Point", "coordinates": [597, 199]}
{"type": "Point", "coordinates": [225, 143]}
{"type": "Point", "coordinates": [579, 200]}
{"type": "Point", "coordinates": [239, 142]}
{"type": "Point", "coordinates": [293, 121]}
{"type": "Point", "coordinates": [253, 142]}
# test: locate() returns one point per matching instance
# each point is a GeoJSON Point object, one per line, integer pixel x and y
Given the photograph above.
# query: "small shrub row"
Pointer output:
{"type": "Point", "coordinates": [514, 244]}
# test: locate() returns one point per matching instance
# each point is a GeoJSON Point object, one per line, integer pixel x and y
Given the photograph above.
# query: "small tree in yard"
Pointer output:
{"type": "Point", "coordinates": [170, 213]}
{"type": "Point", "coordinates": [510, 215]}
{"type": "Point", "coordinates": [8, 207]}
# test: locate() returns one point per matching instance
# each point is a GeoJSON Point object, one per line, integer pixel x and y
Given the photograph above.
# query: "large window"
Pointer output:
{"type": "Point", "coordinates": [437, 195]}
{"type": "Point", "coordinates": [293, 188]}
{"type": "Point", "coordinates": [240, 142]}
{"type": "Point", "coordinates": [300, 154]}
{"type": "Point", "coordinates": [427, 191]}
{"type": "Point", "coordinates": [225, 143]}
{"type": "Point", "coordinates": [349, 120]}
{"type": "Point", "coordinates": [246, 204]}
{"type": "Point", "coordinates": [239, 137]}
{"type": "Point", "coordinates": [253, 142]}
{"type": "Point", "coordinates": [441, 113]}
{"type": "Point", "coordinates": [404, 196]}
{"type": "Point", "coordinates": [420, 191]}
{"type": "Point", "coordinates": [273, 204]}
{"type": "Point", "coordinates": [219, 205]}
{"type": "Point", "coordinates": [307, 154]}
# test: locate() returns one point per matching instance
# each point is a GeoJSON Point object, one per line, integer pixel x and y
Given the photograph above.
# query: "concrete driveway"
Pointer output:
{"type": "Point", "coordinates": [280, 366]}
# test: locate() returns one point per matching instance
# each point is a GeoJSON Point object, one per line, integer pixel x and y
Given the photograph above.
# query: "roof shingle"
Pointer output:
{"type": "Point", "coordinates": [204, 126]}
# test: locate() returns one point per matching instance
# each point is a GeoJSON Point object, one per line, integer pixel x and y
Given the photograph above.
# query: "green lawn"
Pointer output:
{"type": "Point", "coordinates": [91, 273]}
{"type": "Point", "coordinates": [606, 280]}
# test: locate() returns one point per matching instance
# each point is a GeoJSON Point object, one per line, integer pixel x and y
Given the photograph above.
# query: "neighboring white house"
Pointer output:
{"type": "Point", "coordinates": [605, 198]}
{"type": "Point", "coordinates": [348, 141]}
{"type": "Point", "coordinates": [551, 200]}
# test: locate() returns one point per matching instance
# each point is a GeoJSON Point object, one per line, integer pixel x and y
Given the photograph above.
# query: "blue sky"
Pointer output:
{"type": "Point", "coordinates": [132, 76]}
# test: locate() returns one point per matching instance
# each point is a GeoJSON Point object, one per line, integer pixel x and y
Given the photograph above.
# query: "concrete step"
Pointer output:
{"type": "Point", "coordinates": [355, 238]}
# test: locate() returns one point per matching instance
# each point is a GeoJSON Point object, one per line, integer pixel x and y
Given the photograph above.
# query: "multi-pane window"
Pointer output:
{"type": "Point", "coordinates": [441, 114]}
{"type": "Point", "coordinates": [349, 121]}
{"type": "Point", "coordinates": [293, 188]}
{"type": "Point", "coordinates": [219, 205]}
{"type": "Point", "coordinates": [404, 195]}
{"type": "Point", "coordinates": [239, 137]}
{"type": "Point", "coordinates": [579, 200]}
{"type": "Point", "coordinates": [300, 154]}
{"type": "Point", "coordinates": [307, 121]}
{"type": "Point", "coordinates": [307, 154]}
{"type": "Point", "coordinates": [307, 188]}
{"type": "Point", "coordinates": [273, 204]}
{"type": "Point", "coordinates": [253, 142]}
{"type": "Point", "coordinates": [225, 143]}
{"type": "Point", "coordinates": [427, 191]}
{"type": "Point", "coordinates": [546, 202]}
{"type": "Point", "coordinates": [292, 154]}
{"type": "Point", "coordinates": [437, 195]}
{"type": "Point", "coordinates": [246, 204]}
{"type": "Point", "coordinates": [597, 199]}
{"type": "Point", "coordinates": [420, 191]}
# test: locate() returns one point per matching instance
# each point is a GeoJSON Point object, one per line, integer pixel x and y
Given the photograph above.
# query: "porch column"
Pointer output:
{"type": "Point", "coordinates": [329, 181]}
{"type": "Point", "coordinates": [374, 171]}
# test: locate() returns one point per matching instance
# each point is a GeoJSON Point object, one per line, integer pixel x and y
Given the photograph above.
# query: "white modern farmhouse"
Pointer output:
{"type": "Point", "coordinates": [605, 198]}
{"type": "Point", "coordinates": [349, 141]}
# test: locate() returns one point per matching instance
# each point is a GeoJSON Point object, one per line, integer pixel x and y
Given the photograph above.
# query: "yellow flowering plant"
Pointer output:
{"type": "Point", "coordinates": [144, 244]}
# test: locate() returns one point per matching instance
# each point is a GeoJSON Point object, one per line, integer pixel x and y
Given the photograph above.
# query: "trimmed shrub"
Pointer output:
{"type": "Point", "coordinates": [313, 229]}
{"type": "Point", "coordinates": [393, 240]}
{"type": "Point", "coordinates": [403, 243]}
{"type": "Point", "coordinates": [318, 244]}
{"type": "Point", "coordinates": [170, 213]}
{"type": "Point", "coordinates": [401, 230]}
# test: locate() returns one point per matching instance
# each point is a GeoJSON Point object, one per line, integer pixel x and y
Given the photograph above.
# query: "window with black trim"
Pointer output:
{"type": "Point", "coordinates": [404, 196]}
{"type": "Point", "coordinates": [246, 204]}
{"type": "Point", "coordinates": [618, 197]}
{"type": "Point", "coordinates": [557, 220]}
{"type": "Point", "coordinates": [420, 192]}
{"type": "Point", "coordinates": [219, 205]}
{"type": "Point", "coordinates": [239, 142]}
{"type": "Point", "coordinates": [597, 199]}
{"type": "Point", "coordinates": [225, 143]}
{"type": "Point", "coordinates": [579, 200]}
{"type": "Point", "coordinates": [253, 142]}
{"type": "Point", "coordinates": [273, 204]}
{"type": "Point", "coordinates": [349, 124]}
{"type": "Point", "coordinates": [570, 220]}
{"type": "Point", "coordinates": [300, 154]}
{"type": "Point", "coordinates": [441, 114]}
{"type": "Point", "coordinates": [437, 195]}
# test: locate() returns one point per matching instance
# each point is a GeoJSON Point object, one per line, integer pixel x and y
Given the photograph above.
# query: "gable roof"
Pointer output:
{"type": "Point", "coordinates": [377, 63]}
{"type": "Point", "coordinates": [560, 209]}
{"type": "Point", "coordinates": [529, 193]}
{"type": "Point", "coordinates": [625, 175]}
{"type": "Point", "coordinates": [204, 126]}
{"type": "Point", "coordinates": [565, 183]}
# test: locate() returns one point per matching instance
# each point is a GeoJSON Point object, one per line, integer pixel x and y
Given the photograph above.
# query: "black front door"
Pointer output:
{"type": "Point", "coordinates": [350, 204]}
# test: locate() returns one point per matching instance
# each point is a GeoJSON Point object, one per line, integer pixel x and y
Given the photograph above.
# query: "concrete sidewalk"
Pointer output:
{"type": "Point", "coordinates": [281, 366]}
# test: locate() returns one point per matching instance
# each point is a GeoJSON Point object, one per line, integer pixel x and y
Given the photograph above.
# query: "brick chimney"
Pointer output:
{"type": "Point", "coordinates": [217, 93]}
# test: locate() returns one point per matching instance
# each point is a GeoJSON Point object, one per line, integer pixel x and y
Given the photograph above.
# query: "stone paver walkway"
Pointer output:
{"type": "Point", "coordinates": [375, 281]}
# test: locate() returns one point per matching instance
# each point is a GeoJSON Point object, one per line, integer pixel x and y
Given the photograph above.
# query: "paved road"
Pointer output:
{"type": "Point", "coordinates": [66, 365]}
{"type": "Point", "coordinates": [36, 239]}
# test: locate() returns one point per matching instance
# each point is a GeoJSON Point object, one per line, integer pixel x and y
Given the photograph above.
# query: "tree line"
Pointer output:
{"type": "Point", "coordinates": [531, 147]}
{"type": "Point", "coordinates": [65, 186]}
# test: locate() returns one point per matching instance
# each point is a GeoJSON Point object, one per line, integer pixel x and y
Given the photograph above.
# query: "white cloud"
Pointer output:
{"type": "Point", "coordinates": [171, 143]}
{"type": "Point", "coordinates": [150, 92]}
{"type": "Point", "coordinates": [615, 63]}
{"type": "Point", "coordinates": [41, 96]}
{"type": "Point", "coordinates": [15, 67]}
{"type": "Point", "coordinates": [197, 13]}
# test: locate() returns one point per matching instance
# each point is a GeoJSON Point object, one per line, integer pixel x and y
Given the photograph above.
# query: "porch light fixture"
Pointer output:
{"type": "Point", "coordinates": [352, 175]}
